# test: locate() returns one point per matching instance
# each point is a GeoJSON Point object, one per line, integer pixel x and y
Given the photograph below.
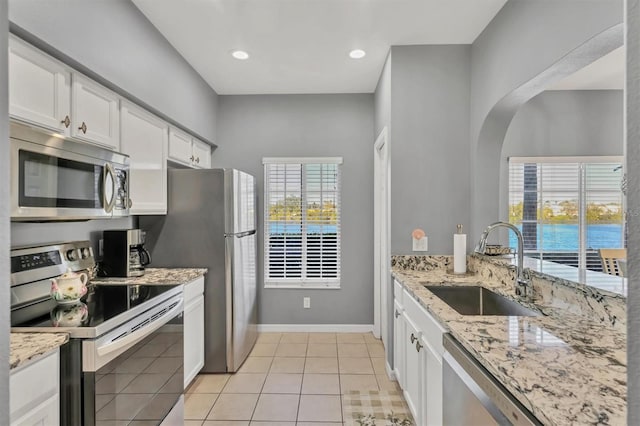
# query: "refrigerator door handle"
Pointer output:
{"type": "Point", "coordinates": [241, 234]}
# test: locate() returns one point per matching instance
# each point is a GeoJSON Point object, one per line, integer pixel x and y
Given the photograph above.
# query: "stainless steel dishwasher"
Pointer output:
{"type": "Point", "coordinates": [472, 396]}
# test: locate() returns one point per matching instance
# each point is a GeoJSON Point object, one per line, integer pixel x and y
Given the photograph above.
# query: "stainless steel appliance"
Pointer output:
{"type": "Point", "coordinates": [211, 222]}
{"type": "Point", "coordinates": [124, 254]}
{"type": "Point", "coordinates": [57, 179]}
{"type": "Point", "coordinates": [472, 396]}
{"type": "Point", "coordinates": [124, 360]}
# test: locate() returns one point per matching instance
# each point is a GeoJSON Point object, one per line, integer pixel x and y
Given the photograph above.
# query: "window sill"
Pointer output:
{"type": "Point", "coordinates": [303, 286]}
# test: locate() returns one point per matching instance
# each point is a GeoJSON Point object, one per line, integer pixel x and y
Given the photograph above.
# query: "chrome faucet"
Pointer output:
{"type": "Point", "coordinates": [522, 284]}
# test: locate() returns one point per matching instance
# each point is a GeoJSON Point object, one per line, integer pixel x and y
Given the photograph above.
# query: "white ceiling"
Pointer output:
{"type": "Point", "coordinates": [302, 46]}
{"type": "Point", "coordinates": [607, 73]}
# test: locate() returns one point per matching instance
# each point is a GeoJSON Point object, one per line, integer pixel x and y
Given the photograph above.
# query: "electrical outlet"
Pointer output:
{"type": "Point", "coordinates": [306, 302]}
{"type": "Point", "coordinates": [421, 244]}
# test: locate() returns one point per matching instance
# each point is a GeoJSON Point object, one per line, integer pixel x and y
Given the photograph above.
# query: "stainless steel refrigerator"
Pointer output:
{"type": "Point", "coordinates": [211, 222]}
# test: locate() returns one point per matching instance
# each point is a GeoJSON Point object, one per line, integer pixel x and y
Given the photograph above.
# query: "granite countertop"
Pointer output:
{"type": "Point", "coordinates": [27, 346]}
{"type": "Point", "coordinates": [156, 276]}
{"type": "Point", "coordinates": [564, 368]}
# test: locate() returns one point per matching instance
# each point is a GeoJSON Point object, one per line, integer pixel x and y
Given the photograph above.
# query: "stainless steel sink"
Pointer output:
{"type": "Point", "coordinates": [476, 300]}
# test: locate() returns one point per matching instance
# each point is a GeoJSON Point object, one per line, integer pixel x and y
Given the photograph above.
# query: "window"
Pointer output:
{"type": "Point", "coordinates": [567, 208]}
{"type": "Point", "coordinates": [302, 222]}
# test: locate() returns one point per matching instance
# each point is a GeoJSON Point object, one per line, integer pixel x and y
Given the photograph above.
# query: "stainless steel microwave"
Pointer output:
{"type": "Point", "coordinates": [53, 178]}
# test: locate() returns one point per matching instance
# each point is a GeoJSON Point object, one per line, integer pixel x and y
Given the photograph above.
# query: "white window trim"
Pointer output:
{"type": "Point", "coordinates": [302, 283]}
{"type": "Point", "coordinates": [581, 161]}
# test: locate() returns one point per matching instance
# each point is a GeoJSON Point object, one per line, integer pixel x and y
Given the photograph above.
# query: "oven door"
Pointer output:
{"type": "Point", "coordinates": [64, 180]}
{"type": "Point", "coordinates": [135, 372]}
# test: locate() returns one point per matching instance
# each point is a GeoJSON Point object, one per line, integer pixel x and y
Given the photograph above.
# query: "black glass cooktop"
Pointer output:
{"type": "Point", "coordinates": [101, 304]}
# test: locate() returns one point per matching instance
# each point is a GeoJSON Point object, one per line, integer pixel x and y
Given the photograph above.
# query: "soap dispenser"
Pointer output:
{"type": "Point", "coordinates": [459, 252]}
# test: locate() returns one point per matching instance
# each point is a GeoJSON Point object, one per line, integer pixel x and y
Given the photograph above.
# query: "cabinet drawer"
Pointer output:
{"type": "Point", "coordinates": [193, 289]}
{"type": "Point", "coordinates": [33, 384]}
{"type": "Point", "coordinates": [429, 326]}
{"type": "Point", "coordinates": [398, 291]}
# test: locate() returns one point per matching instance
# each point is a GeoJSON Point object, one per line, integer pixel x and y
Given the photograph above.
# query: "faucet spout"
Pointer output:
{"type": "Point", "coordinates": [522, 283]}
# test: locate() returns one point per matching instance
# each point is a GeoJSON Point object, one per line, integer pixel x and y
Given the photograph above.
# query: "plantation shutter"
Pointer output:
{"type": "Point", "coordinates": [302, 222]}
{"type": "Point", "coordinates": [567, 207]}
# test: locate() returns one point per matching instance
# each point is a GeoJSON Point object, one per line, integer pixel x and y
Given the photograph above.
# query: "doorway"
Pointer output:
{"type": "Point", "coordinates": [381, 220]}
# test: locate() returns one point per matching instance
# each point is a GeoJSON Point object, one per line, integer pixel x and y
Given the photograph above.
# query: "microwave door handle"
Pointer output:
{"type": "Point", "coordinates": [108, 204]}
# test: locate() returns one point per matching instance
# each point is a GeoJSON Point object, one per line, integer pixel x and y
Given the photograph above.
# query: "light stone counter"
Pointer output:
{"type": "Point", "coordinates": [567, 369]}
{"type": "Point", "coordinates": [27, 346]}
{"type": "Point", "coordinates": [156, 276]}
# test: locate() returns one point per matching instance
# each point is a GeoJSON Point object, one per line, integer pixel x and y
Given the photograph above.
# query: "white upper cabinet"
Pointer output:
{"type": "Point", "coordinates": [94, 113]}
{"type": "Point", "coordinates": [39, 88]}
{"type": "Point", "coordinates": [144, 137]}
{"type": "Point", "coordinates": [201, 154]}
{"type": "Point", "coordinates": [180, 147]}
{"type": "Point", "coordinates": [187, 150]}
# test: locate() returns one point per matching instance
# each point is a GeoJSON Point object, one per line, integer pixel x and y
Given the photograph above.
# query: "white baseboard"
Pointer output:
{"type": "Point", "coordinates": [316, 328]}
{"type": "Point", "coordinates": [390, 372]}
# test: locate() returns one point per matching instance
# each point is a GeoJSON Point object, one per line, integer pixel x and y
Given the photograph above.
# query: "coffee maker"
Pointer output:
{"type": "Point", "coordinates": [124, 254]}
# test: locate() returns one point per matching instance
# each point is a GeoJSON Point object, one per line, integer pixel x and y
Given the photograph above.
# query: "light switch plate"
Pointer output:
{"type": "Point", "coordinates": [306, 302]}
{"type": "Point", "coordinates": [421, 244]}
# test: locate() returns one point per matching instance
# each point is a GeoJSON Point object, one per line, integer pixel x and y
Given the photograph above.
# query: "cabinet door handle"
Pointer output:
{"type": "Point", "coordinates": [198, 160]}
{"type": "Point", "coordinates": [397, 314]}
{"type": "Point", "coordinates": [192, 158]}
{"type": "Point", "coordinates": [413, 338]}
{"type": "Point", "coordinates": [418, 346]}
{"type": "Point", "coordinates": [83, 128]}
{"type": "Point", "coordinates": [66, 122]}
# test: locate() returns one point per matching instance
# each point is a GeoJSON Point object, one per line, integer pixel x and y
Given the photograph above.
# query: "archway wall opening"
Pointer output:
{"type": "Point", "coordinates": [526, 48]}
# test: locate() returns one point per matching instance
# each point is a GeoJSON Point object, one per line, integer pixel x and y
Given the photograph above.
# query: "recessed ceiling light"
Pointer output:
{"type": "Point", "coordinates": [240, 54]}
{"type": "Point", "coordinates": [357, 54]}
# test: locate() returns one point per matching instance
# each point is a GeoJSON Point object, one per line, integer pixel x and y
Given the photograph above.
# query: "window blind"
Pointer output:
{"type": "Point", "coordinates": [302, 221]}
{"type": "Point", "coordinates": [567, 208]}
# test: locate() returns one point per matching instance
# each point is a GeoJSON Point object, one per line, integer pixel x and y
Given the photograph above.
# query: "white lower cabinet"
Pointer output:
{"type": "Point", "coordinates": [398, 343]}
{"type": "Point", "coordinates": [413, 369]}
{"type": "Point", "coordinates": [193, 329]}
{"type": "Point", "coordinates": [35, 392]}
{"type": "Point", "coordinates": [418, 358]}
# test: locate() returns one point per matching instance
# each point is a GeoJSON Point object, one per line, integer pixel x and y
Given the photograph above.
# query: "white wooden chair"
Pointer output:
{"type": "Point", "coordinates": [609, 258]}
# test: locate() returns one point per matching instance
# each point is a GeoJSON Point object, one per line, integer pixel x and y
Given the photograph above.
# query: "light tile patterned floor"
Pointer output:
{"type": "Point", "coordinates": [294, 379]}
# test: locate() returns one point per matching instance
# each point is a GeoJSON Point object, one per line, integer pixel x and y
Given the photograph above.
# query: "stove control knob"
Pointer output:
{"type": "Point", "coordinates": [72, 255]}
{"type": "Point", "coordinates": [85, 254]}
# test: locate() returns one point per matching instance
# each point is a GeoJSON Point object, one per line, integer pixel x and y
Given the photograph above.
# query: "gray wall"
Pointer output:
{"type": "Point", "coordinates": [564, 123]}
{"type": "Point", "coordinates": [113, 39]}
{"type": "Point", "coordinates": [430, 88]}
{"type": "Point", "coordinates": [253, 127]}
{"type": "Point", "coordinates": [4, 219]}
{"type": "Point", "coordinates": [522, 46]}
{"type": "Point", "coordinates": [633, 204]}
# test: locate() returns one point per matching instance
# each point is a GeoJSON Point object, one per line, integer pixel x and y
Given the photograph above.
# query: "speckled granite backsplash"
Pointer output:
{"type": "Point", "coordinates": [549, 291]}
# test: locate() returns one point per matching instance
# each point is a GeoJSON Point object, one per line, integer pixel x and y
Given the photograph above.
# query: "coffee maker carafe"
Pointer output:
{"type": "Point", "coordinates": [124, 253]}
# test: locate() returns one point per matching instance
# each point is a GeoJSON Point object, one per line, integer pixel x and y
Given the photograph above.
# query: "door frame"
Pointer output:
{"type": "Point", "coordinates": [381, 232]}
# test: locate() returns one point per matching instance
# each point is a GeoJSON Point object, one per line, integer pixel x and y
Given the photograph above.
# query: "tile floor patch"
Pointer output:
{"type": "Point", "coordinates": [289, 379]}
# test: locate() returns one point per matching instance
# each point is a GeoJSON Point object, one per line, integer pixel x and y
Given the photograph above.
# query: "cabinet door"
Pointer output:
{"type": "Point", "coordinates": [144, 138]}
{"type": "Point", "coordinates": [413, 367]}
{"type": "Point", "coordinates": [398, 343]}
{"type": "Point", "coordinates": [193, 339]}
{"type": "Point", "coordinates": [94, 113]}
{"type": "Point", "coordinates": [201, 154]}
{"type": "Point", "coordinates": [180, 147]}
{"type": "Point", "coordinates": [45, 414]}
{"type": "Point", "coordinates": [39, 88]}
{"type": "Point", "coordinates": [431, 386]}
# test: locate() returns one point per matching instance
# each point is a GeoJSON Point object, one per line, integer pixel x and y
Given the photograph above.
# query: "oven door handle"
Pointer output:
{"type": "Point", "coordinates": [141, 333]}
